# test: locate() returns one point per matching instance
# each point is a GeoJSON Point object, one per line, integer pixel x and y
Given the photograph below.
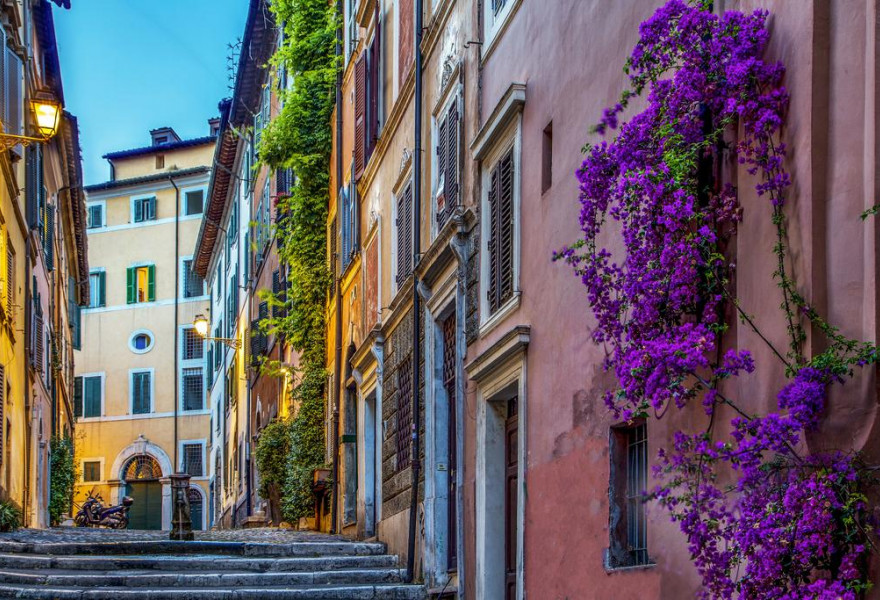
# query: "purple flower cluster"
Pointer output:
{"type": "Point", "coordinates": [657, 295]}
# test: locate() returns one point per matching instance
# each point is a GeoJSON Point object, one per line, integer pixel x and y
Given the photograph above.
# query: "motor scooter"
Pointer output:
{"type": "Point", "coordinates": [92, 513]}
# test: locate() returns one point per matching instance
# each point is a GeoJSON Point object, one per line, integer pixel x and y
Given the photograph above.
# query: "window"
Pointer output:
{"type": "Point", "coordinates": [193, 344]}
{"type": "Point", "coordinates": [160, 161]}
{"type": "Point", "coordinates": [404, 246]}
{"type": "Point", "coordinates": [404, 412]}
{"type": "Point", "coordinates": [144, 209]}
{"type": "Point", "coordinates": [351, 29]}
{"type": "Point", "coordinates": [500, 242]}
{"type": "Point", "coordinates": [447, 152]}
{"type": "Point", "coordinates": [193, 463]}
{"type": "Point", "coordinates": [97, 286]}
{"type": "Point", "coordinates": [141, 392]}
{"type": "Point", "coordinates": [194, 202]}
{"type": "Point", "coordinates": [629, 482]}
{"type": "Point", "coordinates": [547, 159]}
{"type": "Point", "coordinates": [193, 285]}
{"type": "Point", "coordinates": [495, 14]}
{"type": "Point", "coordinates": [87, 395]}
{"type": "Point", "coordinates": [141, 341]}
{"type": "Point", "coordinates": [91, 471]}
{"type": "Point", "coordinates": [193, 382]}
{"type": "Point", "coordinates": [10, 278]}
{"type": "Point", "coordinates": [96, 216]}
{"type": "Point", "coordinates": [11, 111]}
{"type": "Point", "coordinates": [368, 89]}
{"type": "Point", "coordinates": [348, 208]}
{"type": "Point", "coordinates": [141, 284]}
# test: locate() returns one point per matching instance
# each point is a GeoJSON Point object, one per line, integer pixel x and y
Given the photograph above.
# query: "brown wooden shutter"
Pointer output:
{"type": "Point", "coordinates": [500, 244]}
{"type": "Point", "coordinates": [442, 152]}
{"type": "Point", "coordinates": [451, 184]}
{"type": "Point", "coordinates": [404, 235]}
{"type": "Point", "coordinates": [375, 61]}
{"type": "Point", "coordinates": [360, 100]}
{"type": "Point", "coordinates": [505, 241]}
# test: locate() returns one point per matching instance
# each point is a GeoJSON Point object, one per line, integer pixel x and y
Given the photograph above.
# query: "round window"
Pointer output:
{"type": "Point", "coordinates": [141, 341]}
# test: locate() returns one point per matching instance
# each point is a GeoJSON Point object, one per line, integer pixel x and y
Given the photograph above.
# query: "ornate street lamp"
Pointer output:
{"type": "Point", "coordinates": [46, 110]}
{"type": "Point", "coordinates": [200, 323]}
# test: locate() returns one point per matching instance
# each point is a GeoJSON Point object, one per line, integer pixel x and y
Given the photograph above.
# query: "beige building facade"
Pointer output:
{"type": "Point", "coordinates": [140, 385]}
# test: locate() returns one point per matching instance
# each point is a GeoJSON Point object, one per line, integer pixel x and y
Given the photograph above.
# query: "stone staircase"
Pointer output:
{"type": "Point", "coordinates": [153, 568]}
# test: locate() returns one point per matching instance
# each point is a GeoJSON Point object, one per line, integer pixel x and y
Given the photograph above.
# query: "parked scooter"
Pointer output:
{"type": "Point", "coordinates": [92, 513]}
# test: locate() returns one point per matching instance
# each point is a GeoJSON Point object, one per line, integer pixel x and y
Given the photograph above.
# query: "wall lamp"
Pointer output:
{"type": "Point", "coordinates": [200, 323]}
{"type": "Point", "coordinates": [47, 114]}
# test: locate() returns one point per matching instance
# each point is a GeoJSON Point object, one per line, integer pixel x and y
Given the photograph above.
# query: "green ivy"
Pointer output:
{"type": "Point", "coordinates": [10, 516]}
{"type": "Point", "coordinates": [62, 469]}
{"type": "Point", "coordinates": [300, 138]}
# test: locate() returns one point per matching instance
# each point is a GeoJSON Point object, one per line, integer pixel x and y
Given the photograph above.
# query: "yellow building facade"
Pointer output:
{"type": "Point", "coordinates": [140, 385]}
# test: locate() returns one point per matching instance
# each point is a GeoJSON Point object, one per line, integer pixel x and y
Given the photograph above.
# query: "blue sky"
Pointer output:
{"type": "Point", "coordinates": [129, 66]}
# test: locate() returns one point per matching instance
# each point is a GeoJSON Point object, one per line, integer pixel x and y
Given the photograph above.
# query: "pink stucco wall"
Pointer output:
{"type": "Point", "coordinates": [569, 54]}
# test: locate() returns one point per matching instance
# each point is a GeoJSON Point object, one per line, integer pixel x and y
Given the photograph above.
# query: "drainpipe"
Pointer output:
{"type": "Point", "coordinates": [176, 466]}
{"type": "Point", "coordinates": [416, 352]}
{"type": "Point", "coordinates": [27, 301]}
{"type": "Point", "coordinates": [337, 360]}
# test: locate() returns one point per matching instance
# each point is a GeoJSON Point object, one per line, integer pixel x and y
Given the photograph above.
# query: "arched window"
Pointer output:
{"type": "Point", "coordinates": [141, 467]}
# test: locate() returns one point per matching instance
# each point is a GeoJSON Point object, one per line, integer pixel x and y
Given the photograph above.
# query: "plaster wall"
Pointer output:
{"type": "Point", "coordinates": [183, 158]}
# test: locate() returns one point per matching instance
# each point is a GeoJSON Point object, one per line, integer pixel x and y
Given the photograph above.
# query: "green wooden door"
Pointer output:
{"type": "Point", "coordinates": [146, 512]}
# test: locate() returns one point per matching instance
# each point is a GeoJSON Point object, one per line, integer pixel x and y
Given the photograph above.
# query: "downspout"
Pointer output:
{"type": "Point", "coordinates": [27, 301]}
{"type": "Point", "coordinates": [337, 360]}
{"type": "Point", "coordinates": [176, 466]}
{"type": "Point", "coordinates": [416, 352]}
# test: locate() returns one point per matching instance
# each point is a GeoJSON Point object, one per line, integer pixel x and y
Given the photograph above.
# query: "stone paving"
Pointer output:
{"type": "Point", "coordinates": [263, 535]}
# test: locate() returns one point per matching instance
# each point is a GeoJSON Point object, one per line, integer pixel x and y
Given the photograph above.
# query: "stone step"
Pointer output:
{"type": "Point", "coordinates": [327, 592]}
{"type": "Point", "coordinates": [137, 579]}
{"type": "Point", "coordinates": [322, 548]}
{"type": "Point", "coordinates": [199, 563]}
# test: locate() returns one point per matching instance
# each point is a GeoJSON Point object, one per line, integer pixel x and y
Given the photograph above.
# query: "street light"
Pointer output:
{"type": "Point", "coordinates": [200, 324]}
{"type": "Point", "coordinates": [47, 115]}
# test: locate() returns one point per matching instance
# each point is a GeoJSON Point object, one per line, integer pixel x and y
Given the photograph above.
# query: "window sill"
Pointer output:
{"type": "Point", "coordinates": [610, 569]}
{"type": "Point", "coordinates": [500, 315]}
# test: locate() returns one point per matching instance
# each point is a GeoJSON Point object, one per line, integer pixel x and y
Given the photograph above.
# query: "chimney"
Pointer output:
{"type": "Point", "coordinates": [164, 135]}
{"type": "Point", "coordinates": [214, 124]}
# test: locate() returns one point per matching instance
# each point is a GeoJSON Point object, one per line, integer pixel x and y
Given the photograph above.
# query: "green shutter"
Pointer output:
{"type": "Point", "coordinates": [138, 211]}
{"type": "Point", "coordinates": [131, 281]}
{"type": "Point", "coordinates": [151, 283]}
{"type": "Point", "coordinates": [102, 288]}
{"type": "Point", "coordinates": [77, 396]}
{"type": "Point", "coordinates": [92, 396]}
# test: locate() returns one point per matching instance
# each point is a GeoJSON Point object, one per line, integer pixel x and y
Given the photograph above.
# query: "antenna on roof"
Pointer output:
{"type": "Point", "coordinates": [233, 51]}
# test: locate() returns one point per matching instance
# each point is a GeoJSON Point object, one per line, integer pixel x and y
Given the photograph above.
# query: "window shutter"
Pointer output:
{"type": "Point", "coordinates": [375, 57]}
{"type": "Point", "coordinates": [10, 277]}
{"type": "Point", "coordinates": [442, 153]}
{"type": "Point", "coordinates": [77, 396]}
{"type": "Point", "coordinates": [38, 340]}
{"type": "Point", "coordinates": [151, 204]}
{"type": "Point", "coordinates": [138, 211]}
{"type": "Point", "coordinates": [501, 233]}
{"type": "Point", "coordinates": [151, 283]}
{"type": "Point", "coordinates": [102, 288]}
{"type": "Point", "coordinates": [404, 235]}
{"type": "Point", "coordinates": [276, 290]}
{"type": "Point", "coordinates": [209, 372]}
{"type": "Point", "coordinates": [49, 240]}
{"type": "Point", "coordinates": [131, 281]}
{"type": "Point", "coordinates": [451, 176]}
{"type": "Point", "coordinates": [4, 92]}
{"type": "Point", "coordinates": [492, 244]}
{"type": "Point", "coordinates": [360, 100]}
{"type": "Point", "coordinates": [92, 396]}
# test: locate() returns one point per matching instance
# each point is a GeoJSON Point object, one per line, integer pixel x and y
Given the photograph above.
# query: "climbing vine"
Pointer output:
{"type": "Point", "coordinates": [763, 517]}
{"type": "Point", "coordinates": [62, 470]}
{"type": "Point", "coordinates": [299, 138]}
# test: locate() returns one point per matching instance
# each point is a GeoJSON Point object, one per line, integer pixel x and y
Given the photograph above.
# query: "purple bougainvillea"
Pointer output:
{"type": "Point", "coordinates": [762, 518]}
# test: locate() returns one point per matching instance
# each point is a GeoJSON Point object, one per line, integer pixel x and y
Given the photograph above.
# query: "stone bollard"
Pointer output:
{"type": "Point", "coordinates": [181, 520]}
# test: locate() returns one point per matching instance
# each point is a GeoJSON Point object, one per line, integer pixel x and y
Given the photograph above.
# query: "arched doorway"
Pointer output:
{"type": "Point", "coordinates": [196, 508]}
{"type": "Point", "coordinates": [141, 476]}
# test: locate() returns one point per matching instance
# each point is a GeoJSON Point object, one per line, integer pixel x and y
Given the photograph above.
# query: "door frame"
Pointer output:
{"type": "Point", "coordinates": [500, 374]}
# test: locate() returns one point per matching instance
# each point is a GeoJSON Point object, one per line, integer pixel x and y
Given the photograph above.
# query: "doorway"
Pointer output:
{"type": "Point", "coordinates": [511, 522]}
{"type": "Point", "coordinates": [141, 475]}
{"type": "Point", "coordinates": [371, 468]}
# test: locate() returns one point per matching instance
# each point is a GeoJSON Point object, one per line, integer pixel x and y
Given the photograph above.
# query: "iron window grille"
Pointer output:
{"type": "Point", "coordinates": [193, 381]}
{"type": "Point", "coordinates": [141, 400]}
{"type": "Point", "coordinates": [193, 285]}
{"type": "Point", "coordinates": [193, 345]}
{"type": "Point", "coordinates": [192, 460]}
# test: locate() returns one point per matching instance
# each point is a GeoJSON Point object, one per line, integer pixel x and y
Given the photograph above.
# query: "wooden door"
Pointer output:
{"type": "Point", "coordinates": [146, 511]}
{"type": "Point", "coordinates": [511, 524]}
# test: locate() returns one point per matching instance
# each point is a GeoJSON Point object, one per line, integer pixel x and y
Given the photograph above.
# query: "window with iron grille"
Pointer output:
{"type": "Point", "coordinates": [141, 393]}
{"type": "Point", "coordinates": [91, 471]}
{"type": "Point", "coordinates": [501, 233]}
{"type": "Point", "coordinates": [192, 460]}
{"type": "Point", "coordinates": [193, 285]}
{"type": "Point", "coordinates": [404, 230]}
{"type": "Point", "coordinates": [403, 430]}
{"type": "Point", "coordinates": [193, 344]}
{"type": "Point", "coordinates": [447, 149]}
{"type": "Point", "coordinates": [193, 382]}
{"type": "Point", "coordinates": [629, 483]}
